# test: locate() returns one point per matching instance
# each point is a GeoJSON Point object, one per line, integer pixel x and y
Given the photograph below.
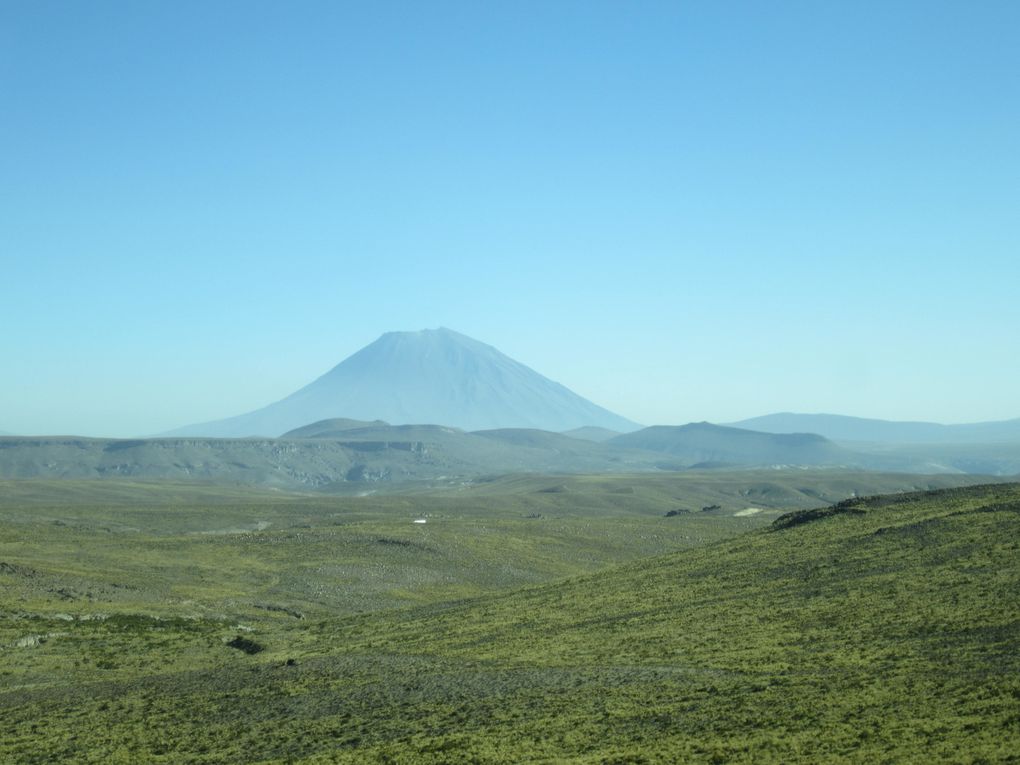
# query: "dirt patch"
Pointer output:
{"type": "Point", "coordinates": [279, 609]}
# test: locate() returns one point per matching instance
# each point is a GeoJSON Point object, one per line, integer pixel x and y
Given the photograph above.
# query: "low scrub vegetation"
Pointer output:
{"type": "Point", "coordinates": [886, 629]}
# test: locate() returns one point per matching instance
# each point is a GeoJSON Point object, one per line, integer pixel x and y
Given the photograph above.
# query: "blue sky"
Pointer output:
{"type": "Point", "coordinates": [682, 211]}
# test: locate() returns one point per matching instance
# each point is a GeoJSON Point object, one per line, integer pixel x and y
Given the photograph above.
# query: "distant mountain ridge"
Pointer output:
{"type": "Point", "coordinates": [323, 459]}
{"type": "Point", "coordinates": [843, 428]}
{"type": "Point", "coordinates": [432, 376]}
{"type": "Point", "coordinates": [348, 455]}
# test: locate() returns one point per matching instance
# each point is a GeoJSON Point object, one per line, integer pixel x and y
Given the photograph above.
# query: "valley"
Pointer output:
{"type": "Point", "coordinates": [600, 618]}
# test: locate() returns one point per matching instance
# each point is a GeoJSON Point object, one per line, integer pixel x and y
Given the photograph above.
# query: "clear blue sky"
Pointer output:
{"type": "Point", "coordinates": [681, 210]}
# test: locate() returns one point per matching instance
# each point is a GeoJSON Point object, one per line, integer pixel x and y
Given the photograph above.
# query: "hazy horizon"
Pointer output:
{"type": "Point", "coordinates": [679, 213]}
{"type": "Point", "coordinates": [439, 420]}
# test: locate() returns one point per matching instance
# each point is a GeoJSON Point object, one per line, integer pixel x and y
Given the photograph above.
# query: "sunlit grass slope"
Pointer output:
{"type": "Point", "coordinates": [885, 630]}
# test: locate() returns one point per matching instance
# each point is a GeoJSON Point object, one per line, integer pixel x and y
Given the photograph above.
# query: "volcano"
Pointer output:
{"type": "Point", "coordinates": [432, 376]}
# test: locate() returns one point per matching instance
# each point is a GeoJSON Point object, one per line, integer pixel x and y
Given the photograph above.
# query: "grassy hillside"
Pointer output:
{"type": "Point", "coordinates": [888, 630]}
{"type": "Point", "coordinates": [883, 630]}
{"type": "Point", "coordinates": [226, 551]}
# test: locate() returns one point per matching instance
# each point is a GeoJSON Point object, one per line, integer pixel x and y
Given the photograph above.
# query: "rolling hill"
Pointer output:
{"type": "Point", "coordinates": [591, 433]}
{"type": "Point", "coordinates": [884, 629]}
{"type": "Point", "coordinates": [703, 443]}
{"type": "Point", "coordinates": [433, 376]}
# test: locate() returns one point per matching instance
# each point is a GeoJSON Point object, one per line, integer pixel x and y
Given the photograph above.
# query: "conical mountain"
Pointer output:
{"type": "Point", "coordinates": [432, 376]}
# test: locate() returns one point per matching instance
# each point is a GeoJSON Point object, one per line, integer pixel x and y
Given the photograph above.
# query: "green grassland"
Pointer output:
{"type": "Point", "coordinates": [198, 550]}
{"type": "Point", "coordinates": [531, 619]}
